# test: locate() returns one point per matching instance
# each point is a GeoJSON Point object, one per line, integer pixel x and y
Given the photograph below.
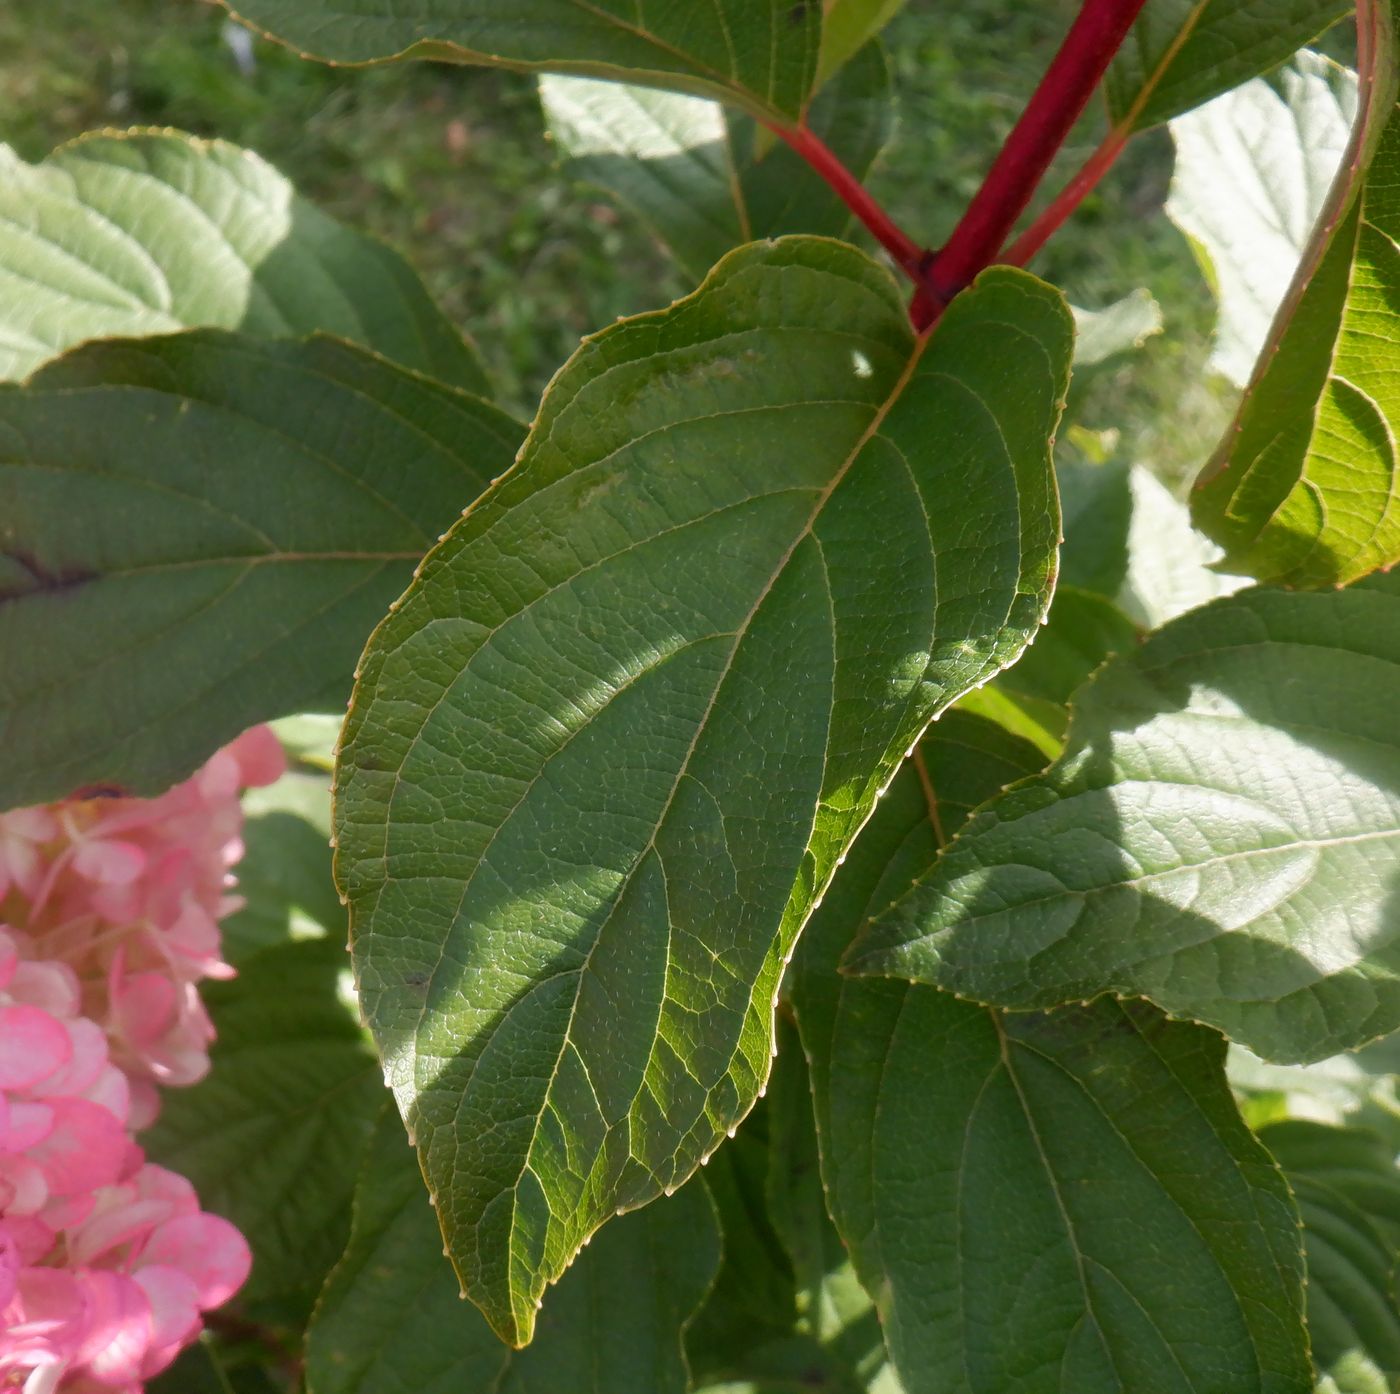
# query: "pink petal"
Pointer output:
{"type": "Point", "coordinates": [144, 1005]}
{"type": "Point", "coordinates": [25, 1124]}
{"type": "Point", "coordinates": [145, 1104]}
{"type": "Point", "coordinates": [32, 1046]}
{"type": "Point", "coordinates": [87, 1060]}
{"type": "Point", "coordinates": [207, 1248]}
{"type": "Point", "coordinates": [109, 862]}
{"type": "Point", "coordinates": [50, 985]}
{"type": "Point", "coordinates": [9, 1266]}
{"type": "Point", "coordinates": [9, 954]}
{"type": "Point", "coordinates": [260, 756]}
{"type": "Point", "coordinates": [34, 1238]}
{"type": "Point", "coordinates": [175, 1308]}
{"type": "Point", "coordinates": [23, 1189]}
{"type": "Point", "coordinates": [85, 1150]}
{"type": "Point", "coordinates": [120, 1327]}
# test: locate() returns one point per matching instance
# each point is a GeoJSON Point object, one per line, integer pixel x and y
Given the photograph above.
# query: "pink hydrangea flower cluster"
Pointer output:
{"type": "Point", "coordinates": [109, 919]}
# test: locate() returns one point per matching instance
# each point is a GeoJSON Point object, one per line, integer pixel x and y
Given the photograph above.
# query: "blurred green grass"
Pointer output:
{"type": "Point", "coordinates": [451, 166]}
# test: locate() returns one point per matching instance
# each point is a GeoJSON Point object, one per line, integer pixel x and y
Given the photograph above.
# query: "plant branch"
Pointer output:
{"type": "Point", "coordinates": [1067, 200]}
{"type": "Point", "coordinates": [907, 254]}
{"type": "Point", "coordinates": [1095, 36]}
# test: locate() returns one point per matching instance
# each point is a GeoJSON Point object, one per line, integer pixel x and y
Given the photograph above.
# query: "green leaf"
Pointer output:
{"type": "Point", "coordinates": [391, 1316]}
{"type": "Point", "coordinates": [1348, 1191]}
{"type": "Point", "coordinates": [1128, 538]}
{"type": "Point", "coordinates": [758, 54]}
{"type": "Point", "coordinates": [1181, 53]}
{"type": "Point", "coordinates": [1010, 1185]}
{"type": "Point", "coordinates": [284, 878]}
{"type": "Point", "coordinates": [1117, 328]}
{"type": "Point", "coordinates": [833, 1306]}
{"type": "Point", "coordinates": [1221, 835]}
{"type": "Point", "coordinates": [273, 1136]}
{"type": "Point", "coordinates": [848, 26]}
{"type": "Point", "coordinates": [703, 178]}
{"type": "Point", "coordinates": [199, 533]}
{"type": "Point", "coordinates": [1301, 489]}
{"type": "Point", "coordinates": [1357, 1087]}
{"type": "Point", "coordinates": [1081, 632]}
{"type": "Point", "coordinates": [604, 757]}
{"type": "Point", "coordinates": [125, 235]}
{"type": "Point", "coordinates": [1253, 169]}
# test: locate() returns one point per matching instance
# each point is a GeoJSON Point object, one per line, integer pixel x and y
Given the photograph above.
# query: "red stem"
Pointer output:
{"type": "Point", "coordinates": [1067, 200]}
{"type": "Point", "coordinates": [907, 254]}
{"type": "Point", "coordinates": [1074, 73]}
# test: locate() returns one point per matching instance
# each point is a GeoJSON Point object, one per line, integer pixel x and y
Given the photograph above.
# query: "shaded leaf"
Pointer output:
{"type": "Point", "coordinates": [273, 1137]}
{"type": "Point", "coordinates": [391, 1316]}
{"type": "Point", "coordinates": [1253, 169]}
{"type": "Point", "coordinates": [124, 235]}
{"type": "Point", "coordinates": [1303, 486]}
{"type": "Point", "coordinates": [1181, 53]}
{"type": "Point", "coordinates": [1010, 1184]}
{"type": "Point", "coordinates": [199, 533]}
{"type": "Point", "coordinates": [1127, 537]}
{"type": "Point", "coordinates": [760, 54]}
{"type": "Point", "coordinates": [707, 180]}
{"type": "Point", "coordinates": [591, 786]}
{"type": "Point", "coordinates": [1221, 835]}
{"type": "Point", "coordinates": [284, 878]}
{"type": "Point", "coordinates": [847, 27]}
{"type": "Point", "coordinates": [1348, 1191]}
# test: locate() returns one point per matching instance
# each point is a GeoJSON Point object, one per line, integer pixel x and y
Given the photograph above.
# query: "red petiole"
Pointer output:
{"type": "Point", "coordinates": [1076, 70]}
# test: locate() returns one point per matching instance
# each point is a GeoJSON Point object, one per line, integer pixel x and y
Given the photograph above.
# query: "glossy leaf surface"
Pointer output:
{"type": "Point", "coordinates": [119, 236]}
{"type": "Point", "coordinates": [1009, 1184]}
{"type": "Point", "coordinates": [1302, 490]}
{"type": "Point", "coordinates": [1222, 835]}
{"type": "Point", "coordinates": [760, 54]}
{"type": "Point", "coordinates": [602, 760]}
{"type": "Point", "coordinates": [200, 531]}
{"type": "Point", "coordinates": [391, 1316]}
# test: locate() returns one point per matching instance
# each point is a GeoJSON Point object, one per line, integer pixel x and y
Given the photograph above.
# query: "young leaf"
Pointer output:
{"type": "Point", "coordinates": [1181, 53]}
{"type": "Point", "coordinates": [119, 236]}
{"type": "Point", "coordinates": [272, 1138]}
{"type": "Point", "coordinates": [758, 54]}
{"type": "Point", "coordinates": [1253, 169]}
{"type": "Point", "coordinates": [199, 533]}
{"type": "Point", "coordinates": [1348, 1191]}
{"type": "Point", "coordinates": [1221, 835]}
{"type": "Point", "coordinates": [1010, 1185]}
{"type": "Point", "coordinates": [1301, 490]}
{"type": "Point", "coordinates": [391, 1315]}
{"type": "Point", "coordinates": [700, 176]}
{"type": "Point", "coordinates": [604, 757]}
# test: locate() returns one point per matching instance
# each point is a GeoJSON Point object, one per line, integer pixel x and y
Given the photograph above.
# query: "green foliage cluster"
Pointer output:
{"type": "Point", "coordinates": [848, 887]}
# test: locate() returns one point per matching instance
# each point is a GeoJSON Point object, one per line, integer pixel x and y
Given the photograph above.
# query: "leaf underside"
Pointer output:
{"type": "Point", "coordinates": [761, 54]}
{"type": "Point", "coordinates": [602, 760]}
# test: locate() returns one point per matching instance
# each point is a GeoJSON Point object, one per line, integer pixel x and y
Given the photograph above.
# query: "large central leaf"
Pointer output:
{"type": "Point", "coordinates": [761, 54]}
{"type": "Point", "coordinates": [604, 757]}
